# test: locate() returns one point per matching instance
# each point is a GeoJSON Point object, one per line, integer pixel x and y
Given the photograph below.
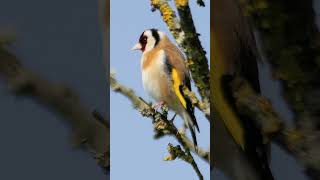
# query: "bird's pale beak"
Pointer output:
{"type": "Point", "coordinates": [137, 47]}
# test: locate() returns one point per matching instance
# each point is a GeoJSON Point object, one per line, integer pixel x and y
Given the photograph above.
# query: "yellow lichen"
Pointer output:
{"type": "Point", "coordinates": [181, 3]}
{"type": "Point", "coordinates": [155, 2]}
{"type": "Point", "coordinates": [167, 14]}
{"type": "Point", "coordinates": [168, 158]}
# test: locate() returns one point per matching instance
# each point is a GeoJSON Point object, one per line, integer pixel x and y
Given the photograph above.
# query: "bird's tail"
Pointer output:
{"type": "Point", "coordinates": [191, 122]}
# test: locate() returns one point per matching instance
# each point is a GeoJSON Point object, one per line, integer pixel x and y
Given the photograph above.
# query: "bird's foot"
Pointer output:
{"type": "Point", "coordinates": [158, 105]}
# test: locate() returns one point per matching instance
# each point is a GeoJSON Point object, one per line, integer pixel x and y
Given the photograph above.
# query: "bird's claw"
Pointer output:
{"type": "Point", "coordinates": [158, 105]}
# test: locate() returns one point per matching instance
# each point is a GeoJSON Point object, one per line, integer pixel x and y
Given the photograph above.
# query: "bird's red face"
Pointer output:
{"type": "Point", "coordinates": [141, 45]}
{"type": "Point", "coordinates": [148, 40]}
{"type": "Point", "coordinates": [143, 41]}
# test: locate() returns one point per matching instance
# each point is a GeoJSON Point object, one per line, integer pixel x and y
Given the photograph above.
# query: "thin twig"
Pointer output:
{"type": "Point", "coordinates": [205, 155]}
{"type": "Point", "coordinates": [177, 152]}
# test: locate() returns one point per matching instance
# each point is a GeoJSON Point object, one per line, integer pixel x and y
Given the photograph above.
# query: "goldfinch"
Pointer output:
{"type": "Point", "coordinates": [164, 75]}
{"type": "Point", "coordinates": [237, 141]}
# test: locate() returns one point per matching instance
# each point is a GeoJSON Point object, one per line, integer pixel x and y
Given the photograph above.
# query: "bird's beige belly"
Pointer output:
{"type": "Point", "coordinates": [155, 83]}
{"type": "Point", "coordinates": [158, 86]}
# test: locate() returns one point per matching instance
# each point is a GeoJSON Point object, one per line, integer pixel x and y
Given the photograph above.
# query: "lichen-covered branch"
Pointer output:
{"type": "Point", "coordinates": [196, 55]}
{"type": "Point", "coordinates": [89, 130]}
{"type": "Point", "coordinates": [177, 152]}
{"type": "Point", "coordinates": [290, 41]}
{"type": "Point", "coordinates": [183, 30]}
{"type": "Point", "coordinates": [162, 125]}
{"type": "Point", "coordinates": [197, 103]}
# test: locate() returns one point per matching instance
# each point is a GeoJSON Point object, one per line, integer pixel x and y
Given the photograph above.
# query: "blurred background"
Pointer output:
{"type": "Point", "coordinates": [134, 152]}
{"type": "Point", "coordinates": [283, 166]}
{"type": "Point", "coordinates": [61, 42]}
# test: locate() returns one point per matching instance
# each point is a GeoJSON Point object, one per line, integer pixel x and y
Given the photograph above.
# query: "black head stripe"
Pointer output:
{"type": "Point", "coordinates": [156, 36]}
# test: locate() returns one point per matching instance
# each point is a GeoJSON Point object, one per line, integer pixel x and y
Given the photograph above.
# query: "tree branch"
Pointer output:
{"type": "Point", "coordinates": [88, 131]}
{"type": "Point", "coordinates": [161, 124]}
{"type": "Point", "coordinates": [205, 155]}
{"type": "Point", "coordinates": [177, 152]}
{"type": "Point", "coordinates": [254, 105]}
{"type": "Point", "coordinates": [197, 103]}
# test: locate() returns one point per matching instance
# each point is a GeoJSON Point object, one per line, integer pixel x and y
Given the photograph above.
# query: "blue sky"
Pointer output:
{"type": "Point", "coordinates": [134, 152]}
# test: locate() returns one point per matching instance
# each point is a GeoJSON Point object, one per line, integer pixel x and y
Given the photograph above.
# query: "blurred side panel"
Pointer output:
{"type": "Point", "coordinates": [53, 90]}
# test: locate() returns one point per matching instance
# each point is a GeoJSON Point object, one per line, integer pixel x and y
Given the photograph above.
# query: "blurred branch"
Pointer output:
{"type": "Point", "coordinates": [183, 30]}
{"type": "Point", "coordinates": [161, 124]}
{"type": "Point", "coordinates": [290, 40]}
{"type": "Point", "coordinates": [254, 105]}
{"type": "Point", "coordinates": [260, 109]}
{"type": "Point", "coordinates": [201, 3]}
{"type": "Point", "coordinates": [87, 130]}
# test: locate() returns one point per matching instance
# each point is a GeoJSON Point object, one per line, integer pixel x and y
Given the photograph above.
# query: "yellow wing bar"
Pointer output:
{"type": "Point", "coordinates": [176, 86]}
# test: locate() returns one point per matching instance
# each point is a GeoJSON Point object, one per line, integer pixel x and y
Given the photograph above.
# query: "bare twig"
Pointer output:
{"type": "Point", "coordinates": [177, 152]}
{"type": "Point", "coordinates": [205, 155]}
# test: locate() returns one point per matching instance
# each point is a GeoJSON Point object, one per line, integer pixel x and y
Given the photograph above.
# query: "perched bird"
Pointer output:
{"type": "Point", "coordinates": [238, 145]}
{"type": "Point", "coordinates": [164, 75]}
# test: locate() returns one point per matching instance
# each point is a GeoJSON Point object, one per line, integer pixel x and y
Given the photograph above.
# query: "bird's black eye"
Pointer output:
{"type": "Point", "coordinates": [144, 39]}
